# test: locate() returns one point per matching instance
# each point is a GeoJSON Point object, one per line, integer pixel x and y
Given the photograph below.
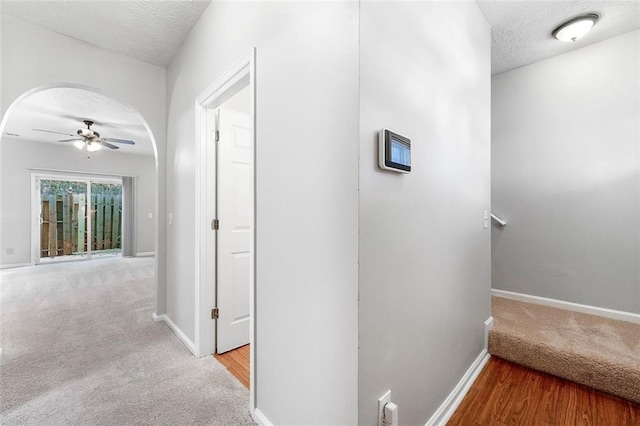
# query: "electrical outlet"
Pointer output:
{"type": "Point", "coordinates": [384, 399]}
{"type": "Point", "coordinates": [150, 215]}
{"type": "Point", "coordinates": [170, 218]}
{"type": "Point", "coordinates": [9, 251]}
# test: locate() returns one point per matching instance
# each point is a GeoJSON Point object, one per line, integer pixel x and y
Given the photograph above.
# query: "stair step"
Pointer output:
{"type": "Point", "coordinates": [598, 352]}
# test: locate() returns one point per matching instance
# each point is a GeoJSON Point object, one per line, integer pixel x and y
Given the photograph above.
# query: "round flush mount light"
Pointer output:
{"type": "Point", "coordinates": [575, 28]}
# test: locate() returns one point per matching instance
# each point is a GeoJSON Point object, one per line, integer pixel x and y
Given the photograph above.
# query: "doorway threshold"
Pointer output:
{"type": "Point", "coordinates": [237, 362]}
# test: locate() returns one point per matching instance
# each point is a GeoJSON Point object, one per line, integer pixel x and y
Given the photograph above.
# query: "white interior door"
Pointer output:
{"type": "Point", "coordinates": [235, 229]}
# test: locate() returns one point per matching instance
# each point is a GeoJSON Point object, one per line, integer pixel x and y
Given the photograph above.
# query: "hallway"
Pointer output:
{"type": "Point", "coordinates": [78, 346]}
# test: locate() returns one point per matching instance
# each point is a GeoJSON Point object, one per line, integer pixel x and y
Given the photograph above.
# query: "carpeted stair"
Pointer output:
{"type": "Point", "coordinates": [594, 351]}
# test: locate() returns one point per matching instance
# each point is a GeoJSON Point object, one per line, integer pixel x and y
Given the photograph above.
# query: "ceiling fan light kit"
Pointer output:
{"type": "Point", "coordinates": [90, 140]}
{"type": "Point", "coordinates": [93, 146]}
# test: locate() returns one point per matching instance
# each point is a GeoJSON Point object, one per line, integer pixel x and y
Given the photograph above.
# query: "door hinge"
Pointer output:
{"type": "Point", "coordinates": [215, 313]}
{"type": "Point", "coordinates": [215, 224]}
{"type": "Point", "coordinates": [217, 137]}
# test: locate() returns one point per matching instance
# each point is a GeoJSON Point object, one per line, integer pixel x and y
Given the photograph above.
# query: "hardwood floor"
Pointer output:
{"type": "Point", "coordinates": [508, 394]}
{"type": "Point", "coordinates": [237, 362]}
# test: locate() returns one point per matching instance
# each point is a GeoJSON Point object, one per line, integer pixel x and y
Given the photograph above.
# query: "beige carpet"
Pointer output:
{"type": "Point", "coordinates": [79, 347]}
{"type": "Point", "coordinates": [598, 352]}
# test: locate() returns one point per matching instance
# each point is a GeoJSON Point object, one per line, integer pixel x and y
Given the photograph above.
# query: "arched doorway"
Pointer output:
{"type": "Point", "coordinates": [49, 131]}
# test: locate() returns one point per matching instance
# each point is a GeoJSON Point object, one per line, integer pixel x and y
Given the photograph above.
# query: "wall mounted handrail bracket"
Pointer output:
{"type": "Point", "coordinates": [498, 220]}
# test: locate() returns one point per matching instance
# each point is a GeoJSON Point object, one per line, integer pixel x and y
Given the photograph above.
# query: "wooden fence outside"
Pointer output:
{"type": "Point", "coordinates": [64, 231]}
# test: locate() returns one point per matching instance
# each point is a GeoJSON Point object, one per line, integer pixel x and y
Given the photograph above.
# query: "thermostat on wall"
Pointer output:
{"type": "Point", "coordinates": [394, 151]}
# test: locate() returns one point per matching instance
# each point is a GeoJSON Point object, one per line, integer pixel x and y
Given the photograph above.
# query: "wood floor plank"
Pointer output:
{"type": "Point", "coordinates": [506, 393]}
{"type": "Point", "coordinates": [237, 362]}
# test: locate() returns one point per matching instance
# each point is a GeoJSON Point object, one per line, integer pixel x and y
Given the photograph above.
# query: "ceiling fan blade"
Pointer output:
{"type": "Point", "coordinates": [123, 141]}
{"type": "Point", "coordinates": [79, 118]}
{"type": "Point", "coordinates": [71, 140]}
{"type": "Point", "coordinates": [107, 144]}
{"type": "Point", "coordinates": [51, 131]}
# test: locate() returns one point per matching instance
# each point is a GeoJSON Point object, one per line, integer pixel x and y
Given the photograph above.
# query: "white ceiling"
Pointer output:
{"type": "Point", "coordinates": [521, 30]}
{"type": "Point", "coordinates": [63, 110]}
{"type": "Point", "coordinates": [153, 30]}
{"type": "Point", "coordinates": [149, 30]}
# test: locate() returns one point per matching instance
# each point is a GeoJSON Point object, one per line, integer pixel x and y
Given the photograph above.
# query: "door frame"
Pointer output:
{"type": "Point", "coordinates": [238, 76]}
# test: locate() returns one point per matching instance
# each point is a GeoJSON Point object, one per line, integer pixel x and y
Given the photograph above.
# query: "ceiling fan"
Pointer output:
{"type": "Point", "coordinates": [90, 140]}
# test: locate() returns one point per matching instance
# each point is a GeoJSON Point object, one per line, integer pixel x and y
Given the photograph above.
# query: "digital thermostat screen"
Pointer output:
{"type": "Point", "coordinates": [400, 153]}
{"type": "Point", "coordinates": [394, 151]}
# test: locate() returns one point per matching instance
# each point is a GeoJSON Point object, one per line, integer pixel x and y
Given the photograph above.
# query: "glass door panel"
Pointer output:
{"type": "Point", "coordinates": [63, 220]}
{"type": "Point", "coordinates": [106, 218]}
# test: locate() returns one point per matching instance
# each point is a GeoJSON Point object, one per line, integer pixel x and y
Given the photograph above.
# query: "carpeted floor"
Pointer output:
{"type": "Point", "coordinates": [594, 351]}
{"type": "Point", "coordinates": [79, 347]}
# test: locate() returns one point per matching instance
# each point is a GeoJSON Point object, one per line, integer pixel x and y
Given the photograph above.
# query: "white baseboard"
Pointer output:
{"type": "Point", "coordinates": [146, 254]}
{"type": "Point", "coordinates": [449, 406]}
{"type": "Point", "coordinates": [488, 326]}
{"type": "Point", "coordinates": [15, 265]}
{"type": "Point", "coordinates": [176, 330]}
{"type": "Point", "coordinates": [570, 306]}
{"type": "Point", "coordinates": [260, 418]}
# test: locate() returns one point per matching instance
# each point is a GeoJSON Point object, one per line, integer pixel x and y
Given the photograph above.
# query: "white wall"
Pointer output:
{"type": "Point", "coordinates": [15, 189]}
{"type": "Point", "coordinates": [565, 176]}
{"type": "Point", "coordinates": [307, 177]}
{"type": "Point", "coordinates": [33, 57]}
{"type": "Point", "coordinates": [424, 255]}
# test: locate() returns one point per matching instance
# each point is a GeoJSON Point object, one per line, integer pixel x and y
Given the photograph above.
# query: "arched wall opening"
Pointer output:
{"type": "Point", "coordinates": [9, 213]}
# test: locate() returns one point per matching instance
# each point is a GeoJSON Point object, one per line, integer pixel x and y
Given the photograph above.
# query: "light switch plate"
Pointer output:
{"type": "Point", "coordinates": [381, 403]}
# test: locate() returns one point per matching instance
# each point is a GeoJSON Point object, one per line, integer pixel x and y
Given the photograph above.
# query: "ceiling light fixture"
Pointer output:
{"type": "Point", "coordinates": [92, 146]}
{"type": "Point", "coordinates": [575, 28]}
{"type": "Point", "coordinates": [88, 145]}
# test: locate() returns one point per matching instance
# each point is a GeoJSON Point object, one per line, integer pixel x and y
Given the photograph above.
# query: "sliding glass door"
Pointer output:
{"type": "Point", "coordinates": [79, 218]}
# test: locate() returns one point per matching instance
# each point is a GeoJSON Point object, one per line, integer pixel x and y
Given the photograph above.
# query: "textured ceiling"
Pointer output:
{"type": "Point", "coordinates": [63, 110]}
{"type": "Point", "coordinates": [151, 30]}
{"type": "Point", "coordinates": [521, 30]}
